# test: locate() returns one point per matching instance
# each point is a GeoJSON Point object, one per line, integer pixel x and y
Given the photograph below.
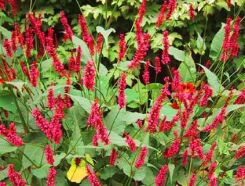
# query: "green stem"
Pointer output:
{"type": "Point", "coordinates": [25, 126]}
{"type": "Point", "coordinates": [114, 121]}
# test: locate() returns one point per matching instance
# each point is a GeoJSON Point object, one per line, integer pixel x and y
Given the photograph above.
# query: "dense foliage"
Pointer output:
{"type": "Point", "coordinates": [115, 92]}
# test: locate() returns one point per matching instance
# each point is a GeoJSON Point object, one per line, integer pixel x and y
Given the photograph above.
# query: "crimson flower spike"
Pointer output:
{"type": "Point", "coordinates": [122, 47]}
{"type": "Point", "coordinates": [146, 73]}
{"type": "Point", "coordinates": [99, 44]}
{"type": "Point", "coordinates": [161, 176]}
{"type": "Point", "coordinates": [160, 18]}
{"type": "Point", "coordinates": [87, 37]}
{"type": "Point", "coordinates": [121, 99]}
{"type": "Point", "coordinates": [191, 11]}
{"type": "Point", "coordinates": [89, 75]}
{"type": "Point", "coordinates": [165, 55]}
{"type": "Point", "coordinates": [68, 31]}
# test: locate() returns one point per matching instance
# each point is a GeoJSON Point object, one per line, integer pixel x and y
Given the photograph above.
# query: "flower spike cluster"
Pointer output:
{"type": "Point", "coordinates": [95, 121]}
{"type": "Point", "coordinates": [11, 135]}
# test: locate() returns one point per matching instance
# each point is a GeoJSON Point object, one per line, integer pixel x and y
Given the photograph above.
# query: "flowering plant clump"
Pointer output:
{"type": "Point", "coordinates": [157, 113]}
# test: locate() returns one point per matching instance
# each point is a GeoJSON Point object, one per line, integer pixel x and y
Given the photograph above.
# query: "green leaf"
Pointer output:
{"type": "Point", "coordinates": [168, 111]}
{"type": "Point", "coordinates": [76, 142]}
{"type": "Point", "coordinates": [117, 140]}
{"type": "Point", "coordinates": [6, 147]}
{"type": "Point", "coordinates": [7, 34]}
{"type": "Point", "coordinates": [149, 179]}
{"type": "Point", "coordinates": [17, 84]}
{"type": "Point", "coordinates": [171, 171]}
{"type": "Point", "coordinates": [177, 54]}
{"type": "Point", "coordinates": [7, 103]}
{"type": "Point", "coordinates": [105, 33]}
{"type": "Point", "coordinates": [32, 154]}
{"type": "Point", "coordinates": [216, 44]}
{"type": "Point", "coordinates": [213, 81]}
{"type": "Point", "coordinates": [46, 65]}
{"type": "Point", "coordinates": [3, 174]}
{"type": "Point", "coordinates": [132, 117]}
{"type": "Point", "coordinates": [58, 158]}
{"type": "Point", "coordinates": [115, 120]}
{"type": "Point", "coordinates": [85, 51]}
{"type": "Point", "coordinates": [83, 102]}
{"type": "Point", "coordinates": [187, 69]}
{"type": "Point", "coordinates": [140, 174]}
{"type": "Point", "coordinates": [41, 172]}
{"type": "Point", "coordinates": [123, 164]}
{"type": "Point", "coordinates": [200, 44]}
{"type": "Point", "coordinates": [108, 172]}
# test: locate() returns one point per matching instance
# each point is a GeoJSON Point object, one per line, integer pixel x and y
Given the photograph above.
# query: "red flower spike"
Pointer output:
{"type": "Point", "coordinates": [240, 153]}
{"type": "Point", "coordinates": [234, 37]}
{"type": "Point", "coordinates": [68, 31]}
{"type": "Point", "coordinates": [89, 75]}
{"type": "Point", "coordinates": [208, 92]}
{"type": "Point", "coordinates": [240, 173]}
{"type": "Point", "coordinates": [67, 89]}
{"type": "Point", "coordinates": [51, 176]}
{"type": "Point", "coordinates": [11, 135]}
{"type": "Point", "coordinates": [161, 176]}
{"type": "Point", "coordinates": [49, 155]}
{"type": "Point", "coordinates": [95, 121]}
{"type": "Point", "coordinates": [87, 37]}
{"type": "Point", "coordinates": [130, 141]}
{"type": "Point", "coordinates": [8, 48]}
{"type": "Point", "coordinates": [99, 44]}
{"type": "Point", "coordinates": [209, 155]}
{"type": "Point", "coordinates": [34, 74]}
{"type": "Point", "coordinates": [121, 99]}
{"type": "Point", "coordinates": [192, 181]}
{"type": "Point", "coordinates": [185, 158]}
{"type": "Point", "coordinates": [191, 12]}
{"type": "Point", "coordinates": [13, 5]}
{"type": "Point", "coordinates": [2, 5]}
{"type": "Point", "coordinates": [140, 123]}
{"type": "Point", "coordinates": [213, 181]}
{"type": "Point", "coordinates": [192, 131]}
{"type": "Point", "coordinates": [141, 158]}
{"type": "Point", "coordinates": [160, 17]}
{"type": "Point", "coordinates": [51, 129]}
{"type": "Point", "coordinates": [228, 2]}
{"type": "Point", "coordinates": [122, 47]}
{"type": "Point", "coordinates": [36, 23]}
{"type": "Point", "coordinates": [166, 126]}
{"type": "Point", "coordinates": [157, 63]}
{"type": "Point", "coordinates": [25, 69]}
{"type": "Point", "coordinates": [165, 55]}
{"type": "Point", "coordinates": [212, 170]}
{"type": "Point", "coordinates": [140, 52]}
{"type": "Point", "coordinates": [226, 41]}
{"type": "Point", "coordinates": [196, 148]}
{"type": "Point", "coordinates": [241, 98]}
{"type": "Point", "coordinates": [113, 157]}
{"type": "Point", "coordinates": [171, 8]}
{"type": "Point", "coordinates": [15, 177]}
{"type": "Point", "coordinates": [92, 178]}
{"type": "Point", "coordinates": [71, 63]}
{"type": "Point", "coordinates": [173, 149]}
{"type": "Point", "coordinates": [29, 41]}
{"type": "Point", "coordinates": [77, 67]}
{"type": "Point", "coordinates": [146, 73]}
{"type": "Point", "coordinates": [141, 11]}
{"type": "Point", "coordinates": [155, 110]}
{"type": "Point", "coordinates": [217, 120]}
{"type": "Point", "coordinates": [51, 98]}
{"type": "Point", "coordinates": [2, 183]}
